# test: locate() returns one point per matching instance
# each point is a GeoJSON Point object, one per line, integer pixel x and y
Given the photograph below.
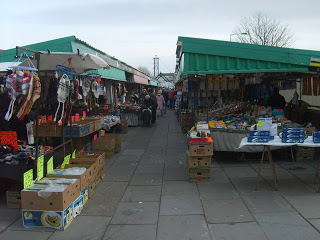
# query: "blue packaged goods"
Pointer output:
{"type": "Point", "coordinates": [293, 130]}
{"type": "Point", "coordinates": [316, 134]}
{"type": "Point", "coordinates": [259, 139]}
{"type": "Point", "coordinates": [259, 133]}
{"type": "Point", "coordinates": [293, 135]}
{"type": "Point", "coordinates": [292, 140]}
{"type": "Point", "coordinates": [316, 140]}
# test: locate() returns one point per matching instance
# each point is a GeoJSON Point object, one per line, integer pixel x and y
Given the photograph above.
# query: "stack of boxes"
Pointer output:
{"type": "Point", "coordinates": [303, 154]}
{"type": "Point", "coordinates": [104, 144]}
{"type": "Point", "coordinates": [293, 135]}
{"type": "Point", "coordinates": [186, 121]}
{"type": "Point", "coordinates": [57, 199]}
{"type": "Point", "coordinates": [259, 136]}
{"type": "Point", "coordinates": [199, 159]}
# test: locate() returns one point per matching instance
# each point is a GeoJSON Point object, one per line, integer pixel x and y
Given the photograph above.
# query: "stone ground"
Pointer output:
{"type": "Point", "coordinates": [145, 196]}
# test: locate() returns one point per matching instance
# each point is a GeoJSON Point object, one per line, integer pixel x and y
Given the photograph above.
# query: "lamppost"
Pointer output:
{"type": "Point", "coordinates": [244, 33]}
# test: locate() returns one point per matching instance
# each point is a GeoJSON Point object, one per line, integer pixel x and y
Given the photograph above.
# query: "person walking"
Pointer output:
{"type": "Point", "coordinates": [161, 103]}
{"type": "Point", "coordinates": [152, 105]}
{"type": "Point", "coordinates": [171, 98]}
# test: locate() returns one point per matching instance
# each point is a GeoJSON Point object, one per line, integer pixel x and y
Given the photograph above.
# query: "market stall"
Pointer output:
{"type": "Point", "coordinates": [131, 112]}
{"type": "Point", "coordinates": [44, 97]}
{"type": "Point", "coordinates": [231, 84]}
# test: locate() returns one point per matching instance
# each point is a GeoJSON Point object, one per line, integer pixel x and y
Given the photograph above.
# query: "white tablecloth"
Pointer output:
{"type": "Point", "coordinates": [229, 142]}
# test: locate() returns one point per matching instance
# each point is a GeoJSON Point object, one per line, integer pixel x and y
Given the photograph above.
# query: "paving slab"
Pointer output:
{"type": "Point", "coordinates": [266, 202]}
{"type": "Point", "coordinates": [7, 217]}
{"type": "Point", "coordinates": [240, 172]}
{"type": "Point", "coordinates": [127, 160]}
{"type": "Point", "coordinates": [142, 194]}
{"type": "Point", "coordinates": [226, 211]}
{"type": "Point", "coordinates": [307, 205]}
{"type": "Point", "coordinates": [18, 226]}
{"type": "Point", "coordinates": [180, 205]}
{"type": "Point", "coordinates": [104, 190]}
{"type": "Point", "coordinates": [133, 152]}
{"type": "Point", "coordinates": [248, 185]}
{"type": "Point", "coordinates": [315, 223]}
{"type": "Point", "coordinates": [237, 231]}
{"type": "Point", "coordinates": [218, 175]}
{"type": "Point", "coordinates": [132, 232]}
{"type": "Point", "coordinates": [119, 173]}
{"type": "Point", "coordinates": [83, 227]}
{"type": "Point", "coordinates": [176, 188]}
{"type": "Point", "coordinates": [175, 173]}
{"type": "Point", "coordinates": [136, 213]}
{"type": "Point", "coordinates": [18, 235]}
{"type": "Point", "coordinates": [101, 206]}
{"type": "Point", "coordinates": [150, 168]}
{"type": "Point", "coordinates": [146, 179]}
{"type": "Point", "coordinates": [152, 159]}
{"type": "Point", "coordinates": [290, 226]}
{"type": "Point", "coordinates": [217, 190]}
{"type": "Point", "coordinates": [183, 228]}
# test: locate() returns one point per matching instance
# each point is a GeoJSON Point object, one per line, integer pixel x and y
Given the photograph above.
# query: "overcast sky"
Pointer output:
{"type": "Point", "coordinates": [136, 30]}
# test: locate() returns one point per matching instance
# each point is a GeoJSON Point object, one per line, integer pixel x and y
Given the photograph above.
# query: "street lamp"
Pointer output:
{"type": "Point", "coordinates": [244, 33]}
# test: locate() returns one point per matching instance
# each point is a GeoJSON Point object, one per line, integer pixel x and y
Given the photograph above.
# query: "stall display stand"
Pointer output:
{"type": "Point", "coordinates": [277, 142]}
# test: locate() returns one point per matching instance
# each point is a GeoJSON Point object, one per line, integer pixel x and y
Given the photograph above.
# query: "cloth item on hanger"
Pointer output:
{"type": "Point", "coordinates": [95, 90]}
{"type": "Point", "coordinates": [35, 94]}
{"type": "Point", "coordinates": [15, 92]}
{"type": "Point", "coordinates": [63, 93]}
{"type": "Point", "coordinates": [29, 95]}
{"type": "Point", "coordinates": [85, 89]}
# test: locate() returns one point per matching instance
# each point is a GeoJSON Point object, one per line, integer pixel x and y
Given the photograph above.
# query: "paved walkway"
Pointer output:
{"type": "Point", "coordinates": [145, 196]}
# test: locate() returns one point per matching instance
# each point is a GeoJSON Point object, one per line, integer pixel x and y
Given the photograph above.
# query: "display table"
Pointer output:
{"type": "Point", "coordinates": [267, 150]}
{"type": "Point", "coordinates": [133, 117]}
{"type": "Point", "coordinates": [110, 125]}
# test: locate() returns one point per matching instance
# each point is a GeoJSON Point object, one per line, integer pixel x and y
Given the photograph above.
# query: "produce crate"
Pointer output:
{"type": "Point", "coordinates": [199, 174]}
{"type": "Point", "coordinates": [199, 161]}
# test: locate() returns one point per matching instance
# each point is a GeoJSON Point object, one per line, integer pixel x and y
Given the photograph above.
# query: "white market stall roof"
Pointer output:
{"type": "Point", "coordinates": [80, 62]}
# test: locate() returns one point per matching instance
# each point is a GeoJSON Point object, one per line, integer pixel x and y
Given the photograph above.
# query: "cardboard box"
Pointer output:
{"type": "Point", "coordinates": [14, 197]}
{"type": "Point", "coordinates": [65, 173]}
{"type": "Point", "coordinates": [52, 219]}
{"type": "Point", "coordinates": [92, 168]}
{"type": "Point", "coordinates": [108, 153]}
{"type": "Point", "coordinates": [198, 161]}
{"type": "Point", "coordinates": [99, 155]}
{"type": "Point", "coordinates": [118, 138]}
{"type": "Point", "coordinates": [103, 144]}
{"type": "Point", "coordinates": [201, 149]}
{"type": "Point", "coordinates": [124, 122]}
{"type": "Point", "coordinates": [41, 197]}
{"type": "Point", "coordinates": [199, 174]}
{"type": "Point", "coordinates": [88, 161]}
{"type": "Point", "coordinates": [78, 206]}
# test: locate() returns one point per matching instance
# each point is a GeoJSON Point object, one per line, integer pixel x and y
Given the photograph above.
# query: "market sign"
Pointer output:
{"type": "Point", "coordinates": [315, 62]}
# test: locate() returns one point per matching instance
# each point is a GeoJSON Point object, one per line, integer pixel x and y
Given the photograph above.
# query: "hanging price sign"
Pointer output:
{"type": "Point", "coordinates": [66, 160]}
{"type": "Point", "coordinates": [9, 138]}
{"type": "Point", "coordinates": [27, 179]}
{"type": "Point", "coordinates": [74, 154]}
{"type": "Point", "coordinates": [40, 165]}
{"type": "Point", "coordinates": [50, 165]}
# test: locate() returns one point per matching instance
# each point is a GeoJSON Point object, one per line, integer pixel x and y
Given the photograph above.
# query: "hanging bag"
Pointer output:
{"type": "Point", "coordinates": [63, 92]}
